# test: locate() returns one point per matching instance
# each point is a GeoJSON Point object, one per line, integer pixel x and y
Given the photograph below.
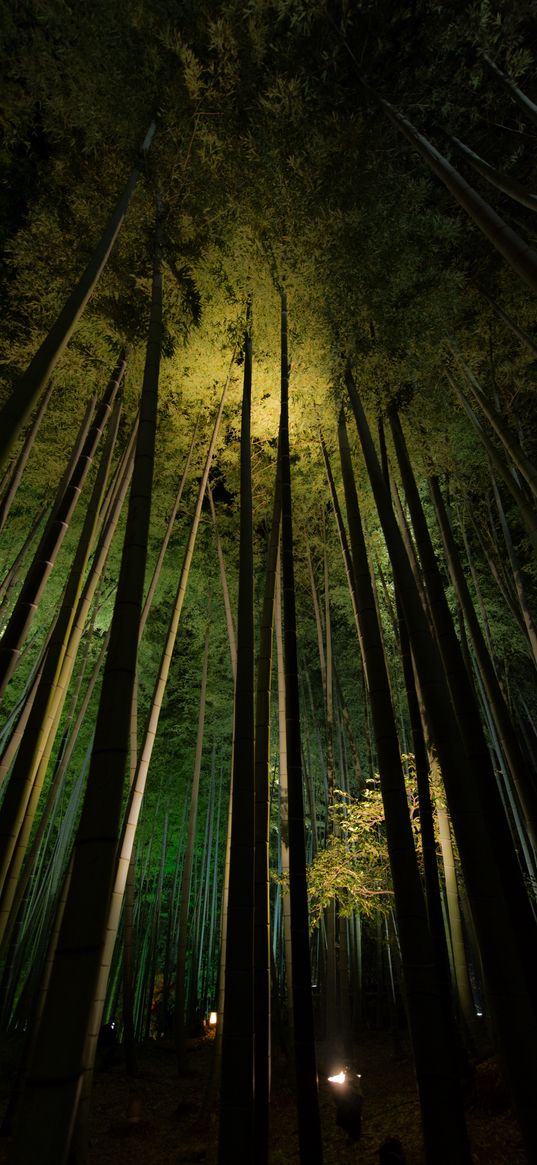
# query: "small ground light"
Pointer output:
{"type": "Point", "coordinates": [213, 1019]}
{"type": "Point", "coordinates": [348, 1100]}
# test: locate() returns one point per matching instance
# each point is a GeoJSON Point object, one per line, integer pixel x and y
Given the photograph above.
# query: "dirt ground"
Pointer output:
{"type": "Point", "coordinates": [168, 1123]}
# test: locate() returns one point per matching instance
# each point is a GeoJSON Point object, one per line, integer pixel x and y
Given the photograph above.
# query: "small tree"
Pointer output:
{"type": "Point", "coordinates": [354, 866]}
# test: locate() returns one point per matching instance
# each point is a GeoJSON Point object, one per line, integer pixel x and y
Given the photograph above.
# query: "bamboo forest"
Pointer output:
{"type": "Point", "coordinates": [268, 587]}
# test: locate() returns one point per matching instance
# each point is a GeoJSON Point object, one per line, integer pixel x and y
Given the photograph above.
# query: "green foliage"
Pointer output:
{"type": "Point", "coordinates": [353, 868]}
{"type": "Point", "coordinates": [273, 167]}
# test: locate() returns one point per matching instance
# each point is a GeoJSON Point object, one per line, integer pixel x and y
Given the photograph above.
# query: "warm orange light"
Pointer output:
{"type": "Point", "coordinates": [339, 1079]}
{"type": "Point", "coordinates": [213, 1019]}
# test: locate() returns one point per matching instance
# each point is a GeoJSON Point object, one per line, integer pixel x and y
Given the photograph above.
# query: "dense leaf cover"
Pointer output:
{"type": "Point", "coordinates": [275, 166]}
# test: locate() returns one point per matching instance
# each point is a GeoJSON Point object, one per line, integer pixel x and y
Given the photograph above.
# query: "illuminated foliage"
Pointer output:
{"type": "Point", "coordinates": [353, 868]}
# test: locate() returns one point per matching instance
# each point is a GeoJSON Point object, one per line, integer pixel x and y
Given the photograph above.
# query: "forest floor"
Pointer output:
{"type": "Point", "coordinates": [169, 1126]}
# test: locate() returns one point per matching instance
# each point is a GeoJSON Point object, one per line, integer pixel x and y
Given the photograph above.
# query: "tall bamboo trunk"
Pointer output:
{"type": "Point", "coordinates": [502, 917]}
{"type": "Point", "coordinates": [53, 536]}
{"type": "Point", "coordinates": [225, 589]}
{"type": "Point", "coordinates": [54, 1078]}
{"type": "Point", "coordinates": [426, 820]}
{"type": "Point", "coordinates": [527, 513]}
{"type": "Point", "coordinates": [165, 541]}
{"type": "Point", "coordinates": [262, 994]}
{"type": "Point", "coordinates": [31, 383]}
{"type": "Point", "coordinates": [284, 805]}
{"type": "Point", "coordinates": [528, 106]}
{"type": "Point", "coordinates": [236, 1134]}
{"type": "Point", "coordinates": [137, 790]}
{"type": "Point", "coordinates": [11, 576]}
{"type": "Point", "coordinates": [505, 584]}
{"type": "Point", "coordinates": [40, 567]}
{"type": "Point", "coordinates": [309, 1127]}
{"type": "Point", "coordinates": [460, 962]}
{"type": "Point", "coordinates": [342, 537]}
{"type": "Point", "coordinates": [10, 935]}
{"type": "Point", "coordinates": [523, 605]}
{"type": "Point", "coordinates": [504, 182]}
{"type": "Point", "coordinates": [509, 441]}
{"type": "Point", "coordinates": [507, 319]}
{"type": "Point", "coordinates": [20, 464]}
{"type": "Point", "coordinates": [26, 782]}
{"type": "Point", "coordinates": [188, 860]}
{"type": "Point", "coordinates": [433, 1041]}
{"type": "Point", "coordinates": [515, 250]}
{"type": "Point", "coordinates": [499, 710]}
{"type": "Point", "coordinates": [459, 680]}
{"type": "Point", "coordinates": [333, 1026]}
